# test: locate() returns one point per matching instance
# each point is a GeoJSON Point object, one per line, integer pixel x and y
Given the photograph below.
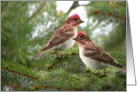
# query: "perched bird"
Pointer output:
{"type": "Point", "coordinates": [62, 38]}
{"type": "Point", "coordinates": [92, 55]}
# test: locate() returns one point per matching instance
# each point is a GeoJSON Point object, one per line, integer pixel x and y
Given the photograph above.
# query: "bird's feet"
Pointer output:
{"type": "Point", "coordinates": [60, 55]}
{"type": "Point", "coordinates": [105, 71]}
{"type": "Point", "coordinates": [88, 71]}
{"type": "Point", "coordinates": [56, 52]}
{"type": "Point", "coordinates": [72, 53]}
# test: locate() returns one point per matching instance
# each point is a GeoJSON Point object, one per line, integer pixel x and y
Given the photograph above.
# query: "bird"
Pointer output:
{"type": "Point", "coordinates": [92, 55]}
{"type": "Point", "coordinates": [62, 38]}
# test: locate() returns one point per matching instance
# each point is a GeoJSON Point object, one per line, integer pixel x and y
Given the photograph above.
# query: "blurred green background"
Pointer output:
{"type": "Point", "coordinates": [27, 26]}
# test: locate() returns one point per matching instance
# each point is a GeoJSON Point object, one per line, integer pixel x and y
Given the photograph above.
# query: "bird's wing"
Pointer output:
{"type": "Point", "coordinates": [64, 33]}
{"type": "Point", "coordinates": [95, 52]}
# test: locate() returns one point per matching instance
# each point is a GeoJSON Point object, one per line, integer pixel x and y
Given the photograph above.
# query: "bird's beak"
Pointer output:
{"type": "Point", "coordinates": [81, 21]}
{"type": "Point", "coordinates": [76, 39]}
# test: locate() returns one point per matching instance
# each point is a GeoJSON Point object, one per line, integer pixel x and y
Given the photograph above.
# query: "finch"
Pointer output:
{"type": "Point", "coordinates": [92, 55]}
{"type": "Point", "coordinates": [62, 38]}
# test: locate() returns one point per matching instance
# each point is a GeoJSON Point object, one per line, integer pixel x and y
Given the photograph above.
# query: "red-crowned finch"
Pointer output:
{"type": "Point", "coordinates": [92, 55]}
{"type": "Point", "coordinates": [62, 38]}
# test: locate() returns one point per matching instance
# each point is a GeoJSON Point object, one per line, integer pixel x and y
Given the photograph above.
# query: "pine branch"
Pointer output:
{"type": "Point", "coordinates": [59, 88]}
{"type": "Point", "coordinates": [20, 24]}
{"type": "Point", "coordinates": [40, 34]}
{"type": "Point", "coordinates": [6, 68]}
{"type": "Point", "coordinates": [74, 5]}
{"type": "Point", "coordinates": [108, 14]}
{"type": "Point", "coordinates": [51, 66]}
{"type": "Point", "coordinates": [37, 11]}
{"type": "Point", "coordinates": [10, 4]}
{"type": "Point", "coordinates": [30, 41]}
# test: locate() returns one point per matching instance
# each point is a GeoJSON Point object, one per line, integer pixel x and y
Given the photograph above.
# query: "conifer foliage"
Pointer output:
{"type": "Point", "coordinates": [27, 26]}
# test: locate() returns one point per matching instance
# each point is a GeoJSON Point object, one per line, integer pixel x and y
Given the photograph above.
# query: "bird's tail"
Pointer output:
{"type": "Point", "coordinates": [119, 66]}
{"type": "Point", "coordinates": [40, 54]}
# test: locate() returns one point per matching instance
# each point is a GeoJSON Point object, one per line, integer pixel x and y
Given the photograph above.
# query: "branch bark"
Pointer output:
{"type": "Point", "coordinates": [108, 14]}
{"type": "Point", "coordinates": [74, 5]}
{"type": "Point", "coordinates": [6, 68]}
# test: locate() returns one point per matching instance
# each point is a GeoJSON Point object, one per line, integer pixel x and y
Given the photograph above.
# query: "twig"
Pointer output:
{"type": "Point", "coordinates": [108, 14]}
{"type": "Point", "coordinates": [51, 66]}
{"type": "Point", "coordinates": [6, 68]}
{"type": "Point", "coordinates": [124, 18]}
{"type": "Point", "coordinates": [74, 5]}
{"type": "Point", "coordinates": [38, 87]}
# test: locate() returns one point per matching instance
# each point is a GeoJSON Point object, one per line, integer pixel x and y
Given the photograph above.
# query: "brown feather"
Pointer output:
{"type": "Point", "coordinates": [95, 52]}
{"type": "Point", "coordinates": [64, 33]}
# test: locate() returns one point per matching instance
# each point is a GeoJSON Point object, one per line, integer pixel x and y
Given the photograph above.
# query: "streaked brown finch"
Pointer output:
{"type": "Point", "coordinates": [62, 38]}
{"type": "Point", "coordinates": [92, 55]}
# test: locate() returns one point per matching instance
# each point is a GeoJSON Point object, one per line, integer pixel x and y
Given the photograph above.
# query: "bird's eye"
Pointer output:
{"type": "Point", "coordinates": [75, 18]}
{"type": "Point", "coordinates": [81, 36]}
